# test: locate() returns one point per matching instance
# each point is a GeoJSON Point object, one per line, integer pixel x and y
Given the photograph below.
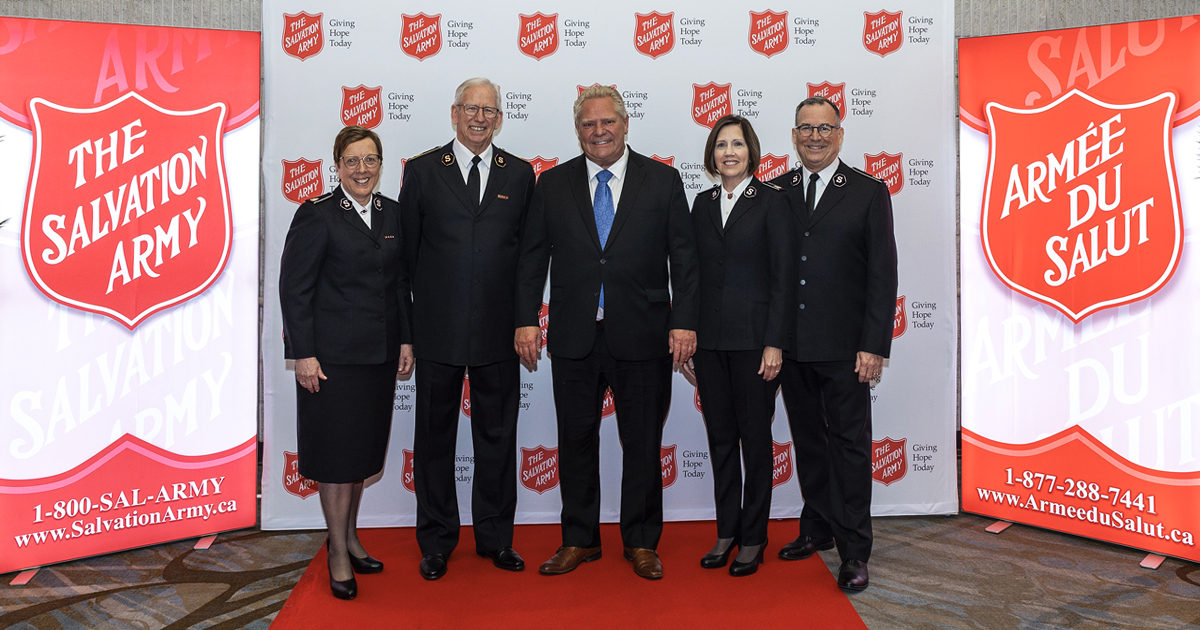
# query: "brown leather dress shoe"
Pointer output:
{"type": "Point", "coordinates": [568, 558]}
{"type": "Point", "coordinates": [645, 563]}
{"type": "Point", "coordinates": [853, 575]}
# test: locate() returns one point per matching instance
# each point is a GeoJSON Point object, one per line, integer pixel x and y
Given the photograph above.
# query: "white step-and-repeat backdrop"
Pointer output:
{"type": "Point", "coordinates": [393, 67]}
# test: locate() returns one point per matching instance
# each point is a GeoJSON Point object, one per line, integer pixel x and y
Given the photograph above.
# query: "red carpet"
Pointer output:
{"type": "Point", "coordinates": [602, 594]}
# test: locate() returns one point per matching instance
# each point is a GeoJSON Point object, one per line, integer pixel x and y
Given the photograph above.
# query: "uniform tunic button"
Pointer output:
{"type": "Point", "coordinates": [802, 307]}
{"type": "Point", "coordinates": [802, 283]}
{"type": "Point", "coordinates": [806, 233]}
{"type": "Point", "coordinates": [602, 261]}
{"type": "Point", "coordinates": [476, 250]}
{"type": "Point", "coordinates": [804, 258]}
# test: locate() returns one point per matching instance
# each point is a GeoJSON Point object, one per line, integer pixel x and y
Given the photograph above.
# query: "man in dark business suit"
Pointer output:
{"type": "Point", "coordinates": [846, 272]}
{"type": "Point", "coordinates": [612, 322]}
{"type": "Point", "coordinates": [462, 208]}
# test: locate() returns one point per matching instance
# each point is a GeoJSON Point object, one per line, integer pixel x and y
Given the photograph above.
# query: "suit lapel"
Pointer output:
{"type": "Point", "coordinates": [832, 195]}
{"type": "Point", "coordinates": [713, 210]}
{"type": "Point", "coordinates": [581, 187]}
{"type": "Point", "coordinates": [635, 174]}
{"type": "Point", "coordinates": [350, 215]}
{"type": "Point", "coordinates": [376, 217]}
{"type": "Point", "coordinates": [798, 208]}
{"type": "Point", "coordinates": [744, 203]}
{"type": "Point", "coordinates": [452, 176]}
{"type": "Point", "coordinates": [495, 182]}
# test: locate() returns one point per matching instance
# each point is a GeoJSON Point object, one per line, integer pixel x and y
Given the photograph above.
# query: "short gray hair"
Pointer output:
{"type": "Point", "coordinates": [600, 91]}
{"type": "Point", "coordinates": [818, 100]}
{"type": "Point", "coordinates": [458, 93]}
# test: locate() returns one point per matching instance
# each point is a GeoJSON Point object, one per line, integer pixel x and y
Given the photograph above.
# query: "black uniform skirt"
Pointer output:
{"type": "Point", "coordinates": [342, 430]}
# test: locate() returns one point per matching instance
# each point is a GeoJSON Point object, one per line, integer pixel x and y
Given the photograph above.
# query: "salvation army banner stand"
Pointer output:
{"type": "Point", "coordinates": [1081, 401]}
{"type": "Point", "coordinates": [128, 286]}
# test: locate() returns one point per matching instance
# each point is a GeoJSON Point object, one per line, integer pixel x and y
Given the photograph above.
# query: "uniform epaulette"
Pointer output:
{"type": "Point", "coordinates": [772, 186]}
{"type": "Point", "coordinates": [321, 197]}
{"type": "Point", "coordinates": [714, 191]}
{"type": "Point", "coordinates": [865, 173]}
{"type": "Point", "coordinates": [515, 157]}
{"type": "Point", "coordinates": [425, 153]}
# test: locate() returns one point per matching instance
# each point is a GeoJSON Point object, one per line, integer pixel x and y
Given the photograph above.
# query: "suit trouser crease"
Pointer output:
{"type": "Point", "coordinates": [738, 405]}
{"type": "Point", "coordinates": [495, 397]}
{"type": "Point", "coordinates": [641, 392]}
{"type": "Point", "coordinates": [829, 413]}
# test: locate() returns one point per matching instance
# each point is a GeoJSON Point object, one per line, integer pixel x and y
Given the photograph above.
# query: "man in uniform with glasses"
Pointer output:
{"type": "Point", "coordinates": [846, 277]}
{"type": "Point", "coordinates": [462, 207]}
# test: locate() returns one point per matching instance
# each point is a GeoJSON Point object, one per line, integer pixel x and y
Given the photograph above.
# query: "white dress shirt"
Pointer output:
{"type": "Point", "coordinates": [729, 199]}
{"type": "Point", "coordinates": [823, 178]}
{"type": "Point", "coordinates": [463, 156]}
{"type": "Point", "coordinates": [614, 184]}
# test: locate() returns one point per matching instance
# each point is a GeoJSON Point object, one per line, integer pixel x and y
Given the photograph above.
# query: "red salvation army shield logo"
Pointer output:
{"type": "Point", "coordinates": [303, 35]}
{"type": "Point", "coordinates": [835, 92]}
{"type": "Point", "coordinates": [670, 467]}
{"type": "Point", "coordinates": [669, 160]}
{"type": "Point", "coordinates": [654, 33]}
{"type": "Point", "coordinates": [900, 324]}
{"type": "Point", "coordinates": [709, 103]}
{"type": "Point", "coordinates": [580, 88]}
{"type": "Point", "coordinates": [293, 481]}
{"type": "Point", "coordinates": [768, 32]}
{"type": "Point", "coordinates": [362, 106]}
{"type": "Point", "coordinates": [771, 166]}
{"type": "Point", "coordinates": [887, 167]}
{"type": "Point", "coordinates": [421, 35]}
{"type": "Point", "coordinates": [537, 35]}
{"type": "Point", "coordinates": [608, 406]}
{"type": "Point", "coordinates": [889, 463]}
{"type": "Point", "coordinates": [406, 471]}
{"type": "Point", "coordinates": [1081, 210]}
{"type": "Point", "coordinates": [782, 467]}
{"type": "Point", "coordinates": [540, 164]}
{"type": "Point", "coordinates": [302, 180]}
{"type": "Point", "coordinates": [696, 401]}
{"type": "Point", "coordinates": [539, 468]}
{"type": "Point", "coordinates": [883, 32]}
{"type": "Point", "coordinates": [126, 210]}
{"type": "Point", "coordinates": [466, 395]}
{"type": "Point", "coordinates": [544, 321]}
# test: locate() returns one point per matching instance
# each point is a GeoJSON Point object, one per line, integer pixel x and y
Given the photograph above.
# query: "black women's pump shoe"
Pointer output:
{"type": "Point", "coordinates": [718, 560]}
{"type": "Point", "coordinates": [739, 569]}
{"type": "Point", "coordinates": [347, 589]}
{"type": "Point", "coordinates": [365, 566]}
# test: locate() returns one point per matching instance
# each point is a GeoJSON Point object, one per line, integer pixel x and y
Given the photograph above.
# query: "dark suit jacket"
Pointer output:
{"type": "Point", "coordinates": [747, 276]}
{"type": "Point", "coordinates": [650, 229]}
{"type": "Point", "coordinates": [341, 284]}
{"type": "Point", "coordinates": [846, 267]}
{"type": "Point", "coordinates": [463, 264]}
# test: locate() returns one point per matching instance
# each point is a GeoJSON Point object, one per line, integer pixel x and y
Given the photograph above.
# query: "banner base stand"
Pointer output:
{"type": "Point", "coordinates": [23, 577]}
{"type": "Point", "coordinates": [1152, 561]}
{"type": "Point", "coordinates": [997, 527]}
{"type": "Point", "coordinates": [206, 542]}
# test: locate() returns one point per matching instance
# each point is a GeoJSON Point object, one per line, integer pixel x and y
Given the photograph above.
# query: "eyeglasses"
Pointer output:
{"type": "Point", "coordinates": [371, 161]}
{"type": "Point", "coordinates": [488, 112]}
{"type": "Point", "coordinates": [824, 129]}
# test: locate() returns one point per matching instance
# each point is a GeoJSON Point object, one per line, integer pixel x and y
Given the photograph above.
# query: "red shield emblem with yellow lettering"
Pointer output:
{"type": "Point", "coordinates": [293, 481]}
{"type": "Point", "coordinates": [768, 32]}
{"type": "Point", "coordinates": [540, 164]}
{"type": "Point", "coordinates": [887, 167]}
{"type": "Point", "coordinates": [608, 406]}
{"type": "Point", "coordinates": [670, 467]}
{"type": "Point", "coordinates": [771, 166]}
{"type": "Point", "coordinates": [883, 32]}
{"type": "Point", "coordinates": [696, 401]}
{"type": "Point", "coordinates": [466, 395]}
{"type": "Point", "coordinates": [710, 102]}
{"type": "Point", "coordinates": [835, 92]}
{"type": "Point", "coordinates": [900, 323]}
{"type": "Point", "coordinates": [539, 468]}
{"type": "Point", "coordinates": [406, 471]}
{"type": "Point", "coordinates": [889, 462]}
{"type": "Point", "coordinates": [1080, 208]}
{"type": "Point", "coordinates": [362, 106]}
{"type": "Point", "coordinates": [127, 210]}
{"type": "Point", "coordinates": [783, 467]}
{"type": "Point", "coordinates": [537, 34]}
{"type": "Point", "coordinates": [302, 180]}
{"type": "Point", "coordinates": [669, 160]}
{"type": "Point", "coordinates": [303, 35]}
{"type": "Point", "coordinates": [654, 33]}
{"type": "Point", "coordinates": [421, 35]}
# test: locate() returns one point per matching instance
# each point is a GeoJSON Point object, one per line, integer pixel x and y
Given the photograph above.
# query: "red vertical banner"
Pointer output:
{"type": "Point", "coordinates": [1076, 291]}
{"type": "Point", "coordinates": [131, 409]}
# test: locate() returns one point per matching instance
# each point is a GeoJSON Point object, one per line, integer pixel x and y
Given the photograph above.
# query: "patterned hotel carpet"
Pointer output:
{"type": "Point", "coordinates": [926, 572]}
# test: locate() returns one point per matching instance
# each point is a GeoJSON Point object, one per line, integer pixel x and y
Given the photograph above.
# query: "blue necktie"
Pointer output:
{"type": "Point", "coordinates": [602, 205]}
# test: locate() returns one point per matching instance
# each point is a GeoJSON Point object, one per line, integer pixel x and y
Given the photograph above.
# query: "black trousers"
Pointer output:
{"type": "Point", "coordinates": [829, 412]}
{"type": "Point", "coordinates": [495, 394]}
{"type": "Point", "coordinates": [642, 394]}
{"type": "Point", "coordinates": [738, 405]}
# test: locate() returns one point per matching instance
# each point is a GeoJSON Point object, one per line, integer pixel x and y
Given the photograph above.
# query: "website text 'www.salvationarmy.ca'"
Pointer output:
{"type": "Point", "coordinates": [126, 509]}
{"type": "Point", "coordinates": [1118, 508]}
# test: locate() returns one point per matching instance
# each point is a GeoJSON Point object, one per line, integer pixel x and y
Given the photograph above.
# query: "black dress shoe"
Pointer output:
{"type": "Point", "coordinates": [347, 589]}
{"type": "Point", "coordinates": [804, 546]}
{"type": "Point", "coordinates": [433, 566]}
{"type": "Point", "coordinates": [738, 569]}
{"type": "Point", "coordinates": [717, 560]}
{"type": "Point", "coordinates": [366, 565]}
{"type": "Point", "coordinates": [853, 575]}
{"type": "Point", "coordinates": [506, 558]}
